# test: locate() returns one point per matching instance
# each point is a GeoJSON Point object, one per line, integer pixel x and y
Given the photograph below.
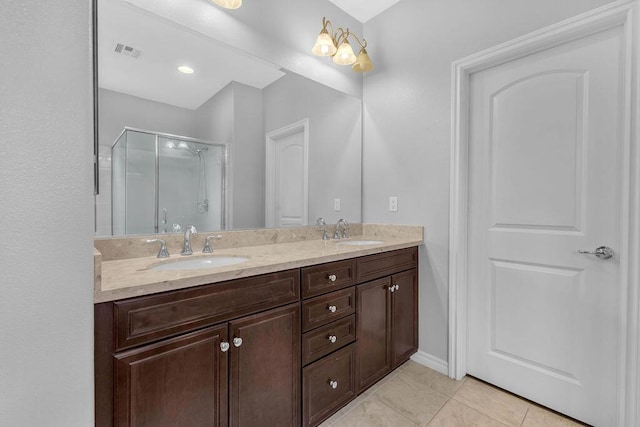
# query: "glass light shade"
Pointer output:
{"type": "Point", "coordinates": [228, 4]}
{"type": "Point", "coordinates": [344, 55]}
{"type": "Point", "coordinates": [363, 62]}
{"type": "Point", "coordinates": [324, 45]}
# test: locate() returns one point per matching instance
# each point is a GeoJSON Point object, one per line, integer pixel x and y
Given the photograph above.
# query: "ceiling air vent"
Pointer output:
{"type": "Point", "coordinates": [127, 50]}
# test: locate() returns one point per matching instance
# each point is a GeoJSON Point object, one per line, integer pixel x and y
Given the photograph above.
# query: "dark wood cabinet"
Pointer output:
{"type": "Point", "coordinates": [264, 375]}
{"type": "Point", "coordinates": [387, 315]}
{"type": "Point", "coordinates": [161, 361]}
{"type": "Point", "coordinates": [328, 385]}
{"type": "Point", "coordinates": [404, 316]}
{"type": "Point", "coordinates": [249, 352]}
{"type": "Point", "coordinates": [177, 382]}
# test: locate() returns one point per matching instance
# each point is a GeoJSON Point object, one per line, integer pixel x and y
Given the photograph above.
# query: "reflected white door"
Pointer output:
{"type": "Point", "coordinates": [287, 163]}
{"type": "Point", "coordinates": [545, 181]}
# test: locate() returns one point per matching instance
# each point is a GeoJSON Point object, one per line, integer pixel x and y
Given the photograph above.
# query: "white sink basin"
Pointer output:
{"type": "Point", "coordinates": [359, 242]}
{"type": "Point", "coordinates": [199, 263]}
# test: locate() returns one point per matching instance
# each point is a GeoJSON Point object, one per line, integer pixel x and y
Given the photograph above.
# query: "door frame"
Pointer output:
{"type": "Point", "coordinates": [622, 13]}
{"type": "Point", "coordinates": [270, 188]}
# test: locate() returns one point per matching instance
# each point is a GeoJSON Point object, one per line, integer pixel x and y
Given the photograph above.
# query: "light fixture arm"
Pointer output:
{"type": "Point", "coordinates": [362, 43]}
{"type": "Point", "coordinates": [335, 43]}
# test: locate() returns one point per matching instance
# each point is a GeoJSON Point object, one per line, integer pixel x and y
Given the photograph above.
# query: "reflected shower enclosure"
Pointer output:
{"type": "Point", "coordinates": [160, 183]}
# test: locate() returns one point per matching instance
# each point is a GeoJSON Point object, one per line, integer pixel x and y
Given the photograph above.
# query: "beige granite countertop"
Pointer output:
{"type": "Point", "coordinates": [119, 277]}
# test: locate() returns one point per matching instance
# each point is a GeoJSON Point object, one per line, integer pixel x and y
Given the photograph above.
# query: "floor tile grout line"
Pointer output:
{"type": "Point", "coordinates": [525, 415]}
{"type": "Point", "coordinates": [398, 412]}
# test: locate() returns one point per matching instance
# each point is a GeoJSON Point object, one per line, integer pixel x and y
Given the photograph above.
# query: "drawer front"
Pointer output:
{"type": "Point", "coordinates": [321, 310]}
{"type": "Point", "coordinates": [147, 319]}
{"type": "Point", "coordinates": [327, 385]}
{"type": "Point", "coordinates": [384, 264]}
{"type": "Point", "coordinates": [325, 339]}
{"type": "Point", "coordinates": [320, 279]}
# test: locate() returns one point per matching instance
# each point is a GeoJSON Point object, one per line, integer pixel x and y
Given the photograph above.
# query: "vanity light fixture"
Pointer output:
{"type": "Point", "coordinates": [336, 44]}
{"type": "Point", "coordinates": [228, 4]}
{"type": "Point", "coordinates": [185, 69]}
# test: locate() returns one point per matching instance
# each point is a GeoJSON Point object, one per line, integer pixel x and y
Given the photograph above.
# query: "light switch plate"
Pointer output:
{"type": "Point", "coordinates": [336, 205]}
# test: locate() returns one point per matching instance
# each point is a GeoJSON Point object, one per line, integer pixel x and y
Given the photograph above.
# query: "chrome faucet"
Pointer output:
{"type": "Point", "coordinates": [345, 229]}
{"type": "Point", "coordinates": [323, 226]}
{"type": "Point", "coordinates": [207, 245]}
{"type": "Point", "coordinates": [186, 249]}
{"type": "Point", "coordinates": [163, 252]}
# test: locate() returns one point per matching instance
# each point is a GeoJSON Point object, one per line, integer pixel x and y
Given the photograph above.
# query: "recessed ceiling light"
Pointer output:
{"type": "Point", "coordinates": [185, 69]}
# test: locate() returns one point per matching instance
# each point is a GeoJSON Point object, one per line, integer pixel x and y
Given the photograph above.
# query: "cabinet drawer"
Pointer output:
{"type": "Point", "coordinates": [325, 339]}
{"type": "Point", "coordinates": [147, 319]}
{"type": "Point", "coordinates": [327, 385]}
{"type": "Point", "coordinates": [384, 264]}
{"type": "Point", "coordinates": [327, 308]}
{"type": "Point", "coordinates": [324, 278]}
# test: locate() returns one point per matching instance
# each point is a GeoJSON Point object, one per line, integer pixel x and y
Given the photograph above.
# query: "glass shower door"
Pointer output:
{"type": "Point", "coordinates": [191, 185]}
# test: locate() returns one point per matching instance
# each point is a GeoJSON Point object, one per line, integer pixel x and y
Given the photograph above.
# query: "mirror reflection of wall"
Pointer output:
{"type": "Point", "coordinates": [218, 103]}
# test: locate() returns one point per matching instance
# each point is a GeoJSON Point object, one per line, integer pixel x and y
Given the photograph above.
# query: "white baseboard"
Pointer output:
{"type": "Point", "coordinates": [431, 362]}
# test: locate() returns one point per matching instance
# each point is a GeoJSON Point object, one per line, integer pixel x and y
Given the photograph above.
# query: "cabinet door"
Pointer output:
{"type": "Point", "coordinates": [180, 381]}
{"type": "Point", "coordinates": [373, 332]}
{"type": "Point", "coordinates": [264, 375]}
{"type": "Point", "coordinates": [404, 316]}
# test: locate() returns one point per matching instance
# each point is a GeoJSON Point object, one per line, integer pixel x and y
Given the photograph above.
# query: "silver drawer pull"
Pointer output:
{"type": "Point", "coordinates": [332, 277]}
{"type": "Point", "coordinates": [332, 338]}
{"type": "Point", "coordinates": [333, 384]}
{"type": "Point", "coordinates": [237, 341]}
{"type": "Point", "coordinates": [224, 346]}
{"type": "Point", "coordinates": [332, 308]}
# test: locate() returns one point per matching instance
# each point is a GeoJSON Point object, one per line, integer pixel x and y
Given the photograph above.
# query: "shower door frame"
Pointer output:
{"type": "Point", "coordinates": [225, 181]}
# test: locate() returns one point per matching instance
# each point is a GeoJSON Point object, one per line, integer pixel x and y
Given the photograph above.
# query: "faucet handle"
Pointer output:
{"type": "Point", "coordinates": [322, 224]}
{"type": "Point", "coordinates": [207, 245]}
{"type": "Point", "coordinates": [163, 252]}
{"type": "Point", "coordinates": [345, 231]}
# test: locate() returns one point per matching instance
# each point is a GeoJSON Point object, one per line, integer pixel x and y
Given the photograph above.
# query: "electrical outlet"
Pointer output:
{"type": "Point", "coordinates": [393, 204]}
{"type": "Point", "coordinates": [336, 205]}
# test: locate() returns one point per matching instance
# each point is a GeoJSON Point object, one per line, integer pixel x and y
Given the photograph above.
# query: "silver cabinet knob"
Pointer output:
{"type": "Point", "coordinates": [332, 308]}
{"type": "Point", "coordinates": [332, 338]}
{"type": "Point", "coordinates": [332, 277]}
{"type": "Point", "coordinates": [602, 252]}
{"type": "Point", "coordinates": [397, 287]}
{"type": "Point", "coordinates": [237, 341]}
{"type": "Point", "coordinates": [224, 346]}
{"type": "Point", "coordinates": [392, 288]}
{"type": "Point", "coordinates": [333, 384]}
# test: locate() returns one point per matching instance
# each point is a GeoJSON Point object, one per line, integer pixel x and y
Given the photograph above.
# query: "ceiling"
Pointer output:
{"type": "Point", "coordinates": [364, 10]}
{"type": "Point", "coordinates": [163, 46]}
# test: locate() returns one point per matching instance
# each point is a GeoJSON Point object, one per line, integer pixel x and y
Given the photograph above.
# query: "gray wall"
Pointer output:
{"type": "Point", "coordinates": [46, 188]}
{"type": "Point", "coordinates": [407, 120]}
{"type": "Point", "coordinates": [335, 129]}
{"type": "Point", "coordinates": [234, 115]}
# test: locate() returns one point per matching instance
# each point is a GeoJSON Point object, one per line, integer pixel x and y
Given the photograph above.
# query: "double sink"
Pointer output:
{"type": "Point", "coordinates": [215, 261]}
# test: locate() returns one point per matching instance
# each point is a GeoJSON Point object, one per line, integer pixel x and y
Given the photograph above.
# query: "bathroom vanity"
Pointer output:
{"type": "Point", "coordinates": [287, 347]}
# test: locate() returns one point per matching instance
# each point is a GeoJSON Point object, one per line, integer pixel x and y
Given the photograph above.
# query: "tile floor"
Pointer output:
{"type": "Point", "coordinates": [414, 395]}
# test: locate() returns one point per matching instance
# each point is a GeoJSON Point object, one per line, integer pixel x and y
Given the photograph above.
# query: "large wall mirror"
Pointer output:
{"type": "Point", "coordinates": [232, 142]}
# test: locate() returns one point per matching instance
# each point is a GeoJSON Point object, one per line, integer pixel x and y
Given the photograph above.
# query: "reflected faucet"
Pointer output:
{"type": "Point", "coordinates": [345, 229]}
{"type": "Point", "coordinates": [186, 249]}
{"type": "Point", "coordinates": [323, 226]}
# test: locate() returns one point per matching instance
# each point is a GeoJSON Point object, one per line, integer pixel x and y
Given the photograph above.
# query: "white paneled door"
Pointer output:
{"type": "Point", "coordinates": [545, 174]}
{"type": "Point", "coordinates": [287, 171]}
